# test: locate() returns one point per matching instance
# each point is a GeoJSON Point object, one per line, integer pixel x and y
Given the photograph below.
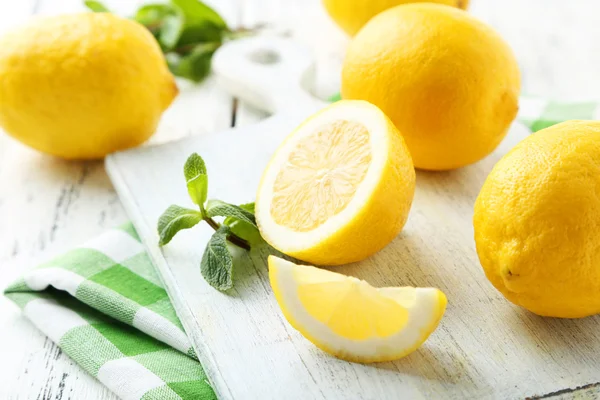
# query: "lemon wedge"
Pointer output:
{"type": "Point", "coordinates": [351, 319]}
{"type": "Point", "coordinates": [339, 188]}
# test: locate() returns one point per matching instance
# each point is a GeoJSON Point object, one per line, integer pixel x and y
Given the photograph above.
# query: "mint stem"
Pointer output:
{"type": "Point", "coordinates": [232, 237]}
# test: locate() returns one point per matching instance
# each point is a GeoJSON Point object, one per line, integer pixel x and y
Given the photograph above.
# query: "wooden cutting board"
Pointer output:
{"type": "Point", "coordinates": [484, 347]}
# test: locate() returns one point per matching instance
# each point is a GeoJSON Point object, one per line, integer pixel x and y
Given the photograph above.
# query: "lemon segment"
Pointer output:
{"type": "Point", "coordinates": [349, 318]}
{"type": "Point", "coordinates": [339, 188]}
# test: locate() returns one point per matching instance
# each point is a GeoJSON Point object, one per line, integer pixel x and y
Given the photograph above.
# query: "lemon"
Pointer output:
{"type": "Point", "coordinates": [81, 86]}
{"type": "Point", "coordinates": [339, 188]}
{"type": "Point", "coordinates": [351, 15]}
{"type": "Point", "coordinates": [448, 81]}
{"type": "Point", "coordinates": [537, 222]}
{"type": "Point", "coordinates": [351, 319]}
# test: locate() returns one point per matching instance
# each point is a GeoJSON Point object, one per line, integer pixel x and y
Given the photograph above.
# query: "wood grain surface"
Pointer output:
{"type": "Point", "coordinates": [47, 203]}
{"type": "Point", "coordinates": [484, 348]}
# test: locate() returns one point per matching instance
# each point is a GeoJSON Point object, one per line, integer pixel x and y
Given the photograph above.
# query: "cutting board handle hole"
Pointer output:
{"type": "Point", "coordinates": [264, 57]}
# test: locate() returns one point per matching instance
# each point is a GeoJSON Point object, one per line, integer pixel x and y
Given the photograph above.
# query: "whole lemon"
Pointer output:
{"type": "Point", "coordinates": [537, 222]}
{"type": "Point", "coordinates": [448, 82]}
{"type": "Point", "coordinates": [351, 15]}
{"type": "Point", "coordinates": [83, 85]}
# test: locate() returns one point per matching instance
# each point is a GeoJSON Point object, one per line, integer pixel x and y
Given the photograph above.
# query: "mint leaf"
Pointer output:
{"type": "Point", "coordinates": [193, 167]}
{"type": "Point", "coordinates": [96, 6]}
{"type": "Point", "coordinates": [196, 178]}
{"type": "Point", "coordinates": [218, 208]}
{"type": "Point", "coordinates": [152, 15]}
{"type": "Point", "coordinates": [248, 207]}
{"type": "Point", "coordinates": [193, 35]}
{"type": "Point", "coordinates": [195, 66]}
{"type": "Point", "coordinates": [196, 13]}
{"type": "Point", "coordinates": [335, 97]}
{"type": "Point", "coordinates": [217, 263]}
{"type": "Point", "coordinates": [170, 31]}
{"type": "Point", "coordinates": [173, 220]}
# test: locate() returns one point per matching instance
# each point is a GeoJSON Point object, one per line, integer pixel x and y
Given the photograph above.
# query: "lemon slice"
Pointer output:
{"type": "Point", "coordinates": [339, 188]}
{"type": "Point", "coordinates": [351, 319]}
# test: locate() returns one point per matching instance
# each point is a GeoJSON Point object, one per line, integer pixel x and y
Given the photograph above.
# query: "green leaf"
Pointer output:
{"type": "Point", "coordinates": [96, 6]}
{"type": "Point", "coordinates": [217, 263]}
{"type": "Point", "coordinates": [152, 15]}
{"type": "Point", "coordinates": [170, 31]}
{"type": "Point", "coordinates": [194, 166]}
{"type": "Point", "coordinates": [196, 179]}
{"type": "Point", "coordinates": [173, 220]}
{"type": "Point", "coordinates": [196, 65]}
{"type": "Point", "coordinates": [218, 208]}
{"type": "Point", "coordinates": [246, 231]}
{"type": "Point", "coordinates": [197, 13]}
{"type": "Point", "coordinates": [195, 34]}
{"type": "Point", "coordinates": [248, 207]}
{"type": "Point", "coordinates": [335, 97]}
{"type": "Point", "coordinates": [198, 189]}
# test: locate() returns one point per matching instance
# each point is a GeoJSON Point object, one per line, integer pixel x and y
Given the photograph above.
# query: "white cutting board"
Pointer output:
{"type": "Point", "coordinates": [484, 347]}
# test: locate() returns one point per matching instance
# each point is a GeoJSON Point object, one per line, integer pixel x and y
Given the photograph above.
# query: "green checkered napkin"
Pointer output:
{"type": "Point", "coordinates": [104, 305]}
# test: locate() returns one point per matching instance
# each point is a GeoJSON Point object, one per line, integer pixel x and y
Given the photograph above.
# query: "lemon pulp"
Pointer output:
{"type": "Point", "coordinates": [321, 175]}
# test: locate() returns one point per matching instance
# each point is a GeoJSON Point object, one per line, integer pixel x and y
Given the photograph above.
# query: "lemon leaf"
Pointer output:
{"type": "Point", "coordinates": [96, 6]}
{"type": "Point", "coordinates": [217, 262]}
{"type": "Point", "coordinates": [174, 219]}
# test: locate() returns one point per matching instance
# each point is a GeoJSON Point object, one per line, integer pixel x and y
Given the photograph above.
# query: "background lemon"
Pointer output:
{"type": "Point", "coordinates": [351, 15]}
{"type": "Point", "coordinates": [537, 222]}
{"type": "Point", "coordinates": [83, 85]}
{"type": "Point", "coordinates": [447, 81]}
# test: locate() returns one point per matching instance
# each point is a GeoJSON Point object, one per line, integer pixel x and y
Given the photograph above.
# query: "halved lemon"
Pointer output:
{"type": "Point", "coordinates": [339, 188]}
{"type": "Point", "coordinates": [351, 319]}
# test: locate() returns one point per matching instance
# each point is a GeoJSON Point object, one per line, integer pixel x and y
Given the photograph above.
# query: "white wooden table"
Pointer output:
{"type": "Point", "coordinates": [48, 204]}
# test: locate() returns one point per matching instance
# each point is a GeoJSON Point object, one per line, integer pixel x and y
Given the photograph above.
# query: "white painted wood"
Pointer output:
{"type": "Point", "coordinates": [249, 354]}
{"type": "Point", "coordinates": [47, 203]}
{"type": "Point", "coordinates": [267, 72]}
{"type": "Point", "coordinates": [484, 348]}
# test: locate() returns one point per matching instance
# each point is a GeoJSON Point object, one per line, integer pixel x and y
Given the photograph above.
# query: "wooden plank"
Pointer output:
{"type": "Point", "coordinates": [50, 204]}
{"type": "Point", "coordinates": [484, 348]}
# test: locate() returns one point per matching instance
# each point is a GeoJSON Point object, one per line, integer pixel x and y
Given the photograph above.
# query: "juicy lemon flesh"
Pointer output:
{"type": "Point", "coordinates": [352, 308]}
{"type": "Point", "coordinates": [357, 314]}
{"type": "Point", "coordinates": [339, 187]}
{"type": "Point", "coordinates": [321, 175]}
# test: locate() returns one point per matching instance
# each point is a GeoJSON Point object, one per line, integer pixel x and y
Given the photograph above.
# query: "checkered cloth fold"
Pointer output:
{"type": "Point", "coordinates": [104, 305]}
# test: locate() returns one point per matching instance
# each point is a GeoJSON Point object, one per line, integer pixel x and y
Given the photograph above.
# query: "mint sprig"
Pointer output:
{"type": "Point", "coordinates": [188, 31]}
{"type": "Point", "coordinates": [238, 227]}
